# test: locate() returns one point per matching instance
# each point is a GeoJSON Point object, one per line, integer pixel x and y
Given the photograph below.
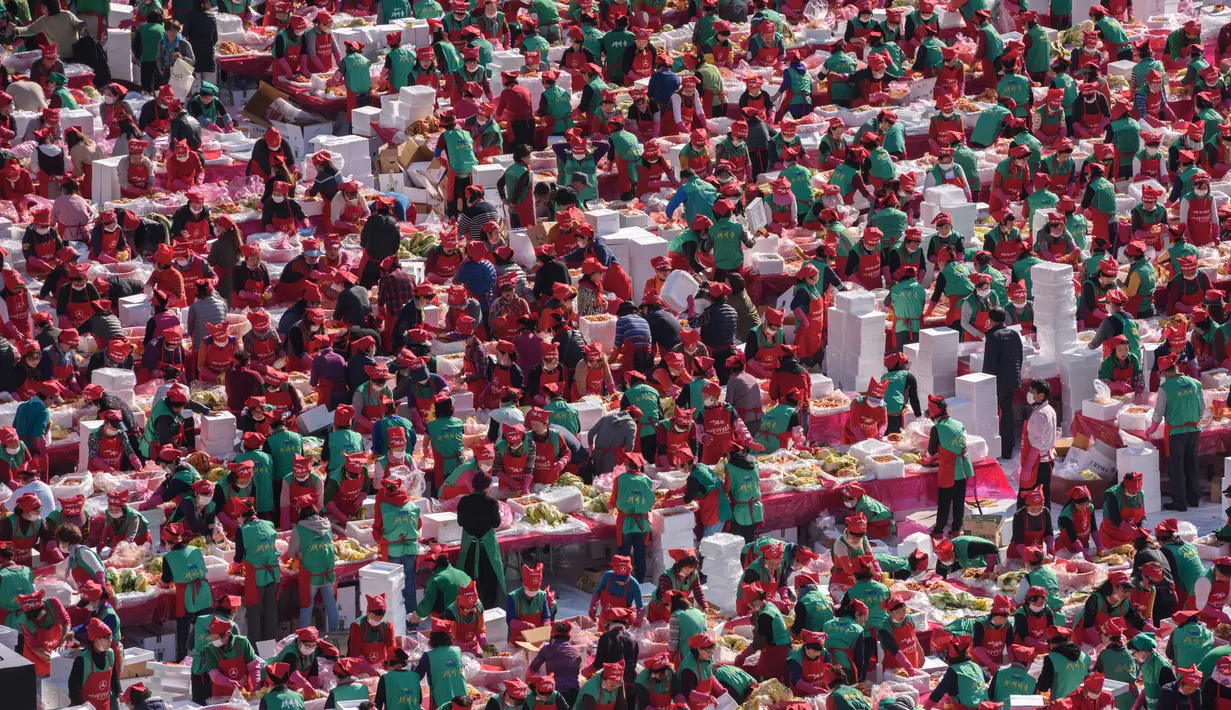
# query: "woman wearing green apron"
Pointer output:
{"type": "Point", "coordinates": [442, 664]}
{"type": "Point", "coordinates": [1155, 669]}
{"type": "Point", "coordinates": [1065, 665]}
{"type": "Point", "coordinates": [479, 515]}
{"type": "Point", "coordinates": [965, 681]}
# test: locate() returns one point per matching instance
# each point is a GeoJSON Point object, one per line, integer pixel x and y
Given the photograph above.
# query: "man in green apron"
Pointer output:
{"type": "Point", "coordinates": [441, 588]}
{"type": "Point", "coordinates": [1116, 662]}
{"type": "Point", "coordinates": [1181, 405]}
{"type": "Point", "coordinates": [1065, 666]}
{"type": "Point", "coordinates": [479, 557]}
{"type": "Point", "coordinates": [184, 567]}
{"type": "Point", "coordinates": [282, 445]}
{"type": "Point", "coordinates": [1015, 678]}
{"type": "Point", "coordinates": [399, 688]}
{"type": "Point", "coordinates": [1155, 670]}
{"type": "Point", "coordinates": [845, 633]}
{"type": "Point", "coordinates": [442, 664]}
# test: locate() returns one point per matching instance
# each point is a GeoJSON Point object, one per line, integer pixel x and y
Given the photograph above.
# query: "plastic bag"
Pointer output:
{"type": "Point", "coordinates": [1102, 394]}
{"type": "Point", "coordinates": [919, 431]}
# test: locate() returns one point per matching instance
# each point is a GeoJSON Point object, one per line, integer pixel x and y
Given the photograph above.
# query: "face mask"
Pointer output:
{"type": "Point", "coordinates": [1019, 304]}
{"type": "Point", "coordinates": [872, 401]}
{"type": "Point", "coordinates": [1201, 192]}
{"type": "Point", "coordinates": [485, 466]}
{"type": "Point", "coordinates": [1036, 608]}
{"type": "Point", "coordinates": [579, 156]}
{"type": "Point", "coordinates": [204, 500]}
{"type": "Point", "coordinates": [217, 643]}
{"type": "Point", "coordinates": [78, 287]}
{"type": "Point", "coordinates": [306, 650]}
{"type": "Point", "coordinates": [279, 198]}
{"type": "Point", "coordinates": [12, 451]}
{"type": "Point", "coordinates": [947, 164]}
{"type": "Point", "coordinates": [64, 549]}
{"type": "Point", "coordinates": [850, 503]}
{"type": "Point", "coordinates": [32, 516]}
{"type": "Point", "coordinates": [109, 99]}
{"type": "Point", "coordinates": [374, 620]}
{"type": "Point", "coordinates": [196, 209]}
{"type": "Point", "coordinates": [984, 292]}
{"type": "Point", "coordinates": [710, 402]}
{"type": "Point", "coordinates": [1151, 151]}
{"type": "Point", "coordinates": [115, 513]}
{"type": "Point", "coordinates": [42, 230]}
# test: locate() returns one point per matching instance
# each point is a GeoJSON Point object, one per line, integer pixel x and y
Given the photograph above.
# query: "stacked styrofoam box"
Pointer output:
{"type": "Point", "coordinates": [720, 562]}
{"type": "Point", "coordinates": [619, 244]}
{"type": "Point", "coordinates": [857, 332]}
{"type": "Point", "coordinates": [643, 248]}
{"type": "Point", "coordinates": [391, 115]}
{"type": "Point", "coordinates": [119, 53]}
{"type": "Point", "coordinates": [963, 213]}
{"type": "Point", "coordinates": [361, 119]}
{"type": "Point", "coordinates": [821, 385]}
{"type": "Point", "coordinates": [936, 367]}
{"type": "Point", "coordinates": [1079, 368]}
{"type": "Point", "coordinates": [442, 527]}
{"type": "Point", "coordinates": [603, 221]}
{"type": "Point", "coordinates": [105, 179]}
{"type": "Point", "coordinates": [315, 419]}
{"type": "Point", "coordinates": [980, 407]}
{"type": "Point", "coordinates": [218, 433]}
{"type": "Point", "coordinates": [495, 621]}
{"type": "Point", "coordinates": [1055, 307]}
{"type": "Point", "coordinates": [487, 175]}
{"type": "Point", "coordinates": [670, 532]}
{"type": "Point", "coordinates": [170, 681]}
{"type": "Point", "coordinates": [113, 378]}
{"type": "Point", "coordinates": [84, 429]}
{"type": "Point", "coordinates": [354, 151]}
{"type": "Point", "coordinates": [418, 102]}
{"type": "Point", "coordinates": [1144, 460]}
{"type": "Point", "coordinates": [376, 578]}
{"type": "Point", "coordinates": [599, 331]}
{"type": "Point", "coordinates": [135, 311]}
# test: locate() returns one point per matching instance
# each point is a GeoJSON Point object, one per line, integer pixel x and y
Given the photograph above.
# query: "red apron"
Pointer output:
{"type": "Point", "coordinates": [111, 450]}
{"type": "Point", "coordinates": [594, 380]}
{"type": "Point", "coordinates": [908, 644]}
{"type": "Point", "coordinates": [813, 670]}
{"type": "Point", "coordinates": [265, 350]}
{"type": "Point", "coordinates": [350, 495]}
{"type": "Point", "coordinates": [994, 642]}
{"type": "Point", "coordinates": [292, 59]}
{"type": "Point", "coordinates": [78, 312]}
{"type": "Point", "coordinates": [1084, 60]}
{"type": "Point", "coordinates": [1213, 614]}
{"type": "Point", "coordinates": [1012, 187]}
{"type": "Point", "coordinates": [514, 467]}
{"type": "Point", "coordinates": [46, 639]}
{"type": "Point", "coordinates": [324, 50]}
{"type": "Point", "coordinates": [768, 56]}
{"type": "Point", "coordinates": [545, 459]}
{"type": "Point", "coordinates": [1006, 250]}
{"type": "Point", "coordinates": [717, 423]}
{"type": "Point", "coordinates": [220, 358]}
{"type": "Point", "coordinates": [286, 225]}
{"type": "Point", "coordinates": [679, 453]}
{"type": "Point", "coordinates": [864, 422]}
{"type": "Point", "coordinates": [467, 633]}
{"type": "Point", "coordinates": [236, 670]}
{"type": "Point", "coordinates": [608, 600]}
{"type": "Point", "coordinates": [868, 272]}
{"type": "Point", "coordinates": [1112, 535]}
{"type": "Point", "coordinates": [1151, 168]}
{"type": "Point", "coordinates": [1201, 227]}
{"type": "Point", "coordinates": [688, 113]}
{"type": "Point", "coordinates": [643, 65]}
{"type": "Point", "coordinates": [349, 217]}
{"type": "Point", "coordinates": [534, 619]}
{"type": "Point", "coordinates": [374, 652]}
{"type": "Point", "coordinates": [138, 175]}
{"type": "Point", "coordinates": [251, 592]}
{"type": "Point", "coordinates": [1081, 524]}
{"type": "Point", "coordinates": [1142, 601]}
{"type": "Point", "coordinates": [1036, 626]}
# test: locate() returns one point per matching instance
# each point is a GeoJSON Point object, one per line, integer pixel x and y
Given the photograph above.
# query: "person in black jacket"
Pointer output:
{"type": "Point", "coordinates": [617, 644]}
{"type": "Point", "coordinates": [353, 306]}
{"type": "Point", "coordinates": [380, 238]}
{"type": "Point", "coordinates": [551, 271]}
{"type": "Point", "coordinates": [718, 325]}
{"type": "Point", "coordinates": [664, 326]}
{"type": "Point", "coordinates": [1002, 357]}
{"type": "Point", "coordinates": [201, 31]}
{"type": "Point", "coordinates": [184, 127]}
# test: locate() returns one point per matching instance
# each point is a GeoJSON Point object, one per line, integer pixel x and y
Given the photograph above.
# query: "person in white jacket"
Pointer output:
{"type": "Point", "coordinates": [1038, 442]}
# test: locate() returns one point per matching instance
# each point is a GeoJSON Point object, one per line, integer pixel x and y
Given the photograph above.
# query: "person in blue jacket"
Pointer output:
{"type": "Point", "coordinates": [477, 274]}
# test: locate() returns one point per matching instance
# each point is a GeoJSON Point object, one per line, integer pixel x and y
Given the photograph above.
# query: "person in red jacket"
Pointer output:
{"type": "Point", "coordinates": [515, 108]}
{"type": "Point", "coordinates": [184, 169]}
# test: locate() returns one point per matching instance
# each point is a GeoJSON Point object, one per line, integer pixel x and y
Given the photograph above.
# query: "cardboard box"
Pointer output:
{"type": "Point", "coordinates": [984, 526]}
{"type": "Point", "coordinates": [588, 581]}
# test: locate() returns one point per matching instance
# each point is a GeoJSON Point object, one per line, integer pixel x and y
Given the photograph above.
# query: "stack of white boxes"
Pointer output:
{"type": "Point", "coordinates": [354, 150]}
{"type": "Point", "coordinates": [120, 383]}
{"type": "Point", "coordinates": [670, 532]}
{"type": "Point", "coordinates": [105, 179]}
{"type": "Point", "coordinates": [218, 434]}
{"type": "Point", "coordinates": [1055, 308]}
{"type": "Point", "coordinates": [1145, 461]}
{"type": "Point", "coordinates": [170, 681]}
{"type": "Point", "coordinates": [721, 564]}
{"type": "Point", "coordinates": [1079, 368]}
{"type": "Point", "coordinates": [975, 406]}
{"type": "Point", "coordinates": [389, 579]}
{"type": "Point", "coordinates": [418, 102]}
{"type": "Point", "coordinates": [857, 332]}
{"type": "Point", "coordinates": [951, 199]}
{"type": "Point", "coordinates": [642, 249]}
{"type": "Point", "coordinates": [135, 310]}
{"type": "Point", "coordinates": [935, 368]}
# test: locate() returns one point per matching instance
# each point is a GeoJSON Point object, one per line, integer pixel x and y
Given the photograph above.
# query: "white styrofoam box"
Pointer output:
{"type": "Point", "coordinates": [1134, 421]}
{"type": "Point", "coordinates": [84, 429]}
{"type": "Point", "coordinates": [390, 111]}
{"type": "Point", "coordinates": [315, 419]}
{"type": "Point", "coordinates": [721, 547]}
{"type": "Point", "coordinates": [976, 447]}
{"type": "Point", "coordinates": [589, 411]}
{"type": "Point", "coordinates": [1026, 702]}
{"type": "Point", "coordinates": [1122, 68]}
{"type": "Point", "coordinates": [1102, 412]}
{"type": "Point", "coordinates": [866, 449]}
{"type": "Point", "coordinates": [1218, 377]}
{"type": "Point", "coordinates": [135, 311]}
{"type": "Point", "coordinates": [888, 470]}
{"type": "Point", "coordinates": [441, 526]}
{"type": "Point", "coordinates": [220, 426]}
{"type": "Point", "coordinates": [604, 221]}
{"type": "Point", "coordinates": [463, 400]}
{"type": "Point", "coordinates": [821, 385]}
{"type": "Point", "coordinates": [496, 624]}
{"type": "Point", "coordinates": [944, 196]}
{"type": "Point", "coordinates": [567, 499]}
{"type": "Point", "coordinates": [672, 525]}
{"type": "Point", "coordinates": [113, 378]}
{"type": "Point", "coordinates": [855, 303]}
{"type": "Point", "coordinates": [769, 264]}
{"type": "Point", "coordinates": [487, 175]}
{"type": "Point", "coordinates": [599, 331]}
{"type": "Point", "coordinates": [390, 182]}
{"type": "Point", "coordinates": [360, 530]}
{"type": "Point", "coordinates": [62, 665]}
{"type": "Point", "coordinates": [636, 219]}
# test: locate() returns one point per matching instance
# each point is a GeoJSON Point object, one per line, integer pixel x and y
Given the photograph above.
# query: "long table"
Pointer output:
{"type": "Point", "coordinates": [782, 510]}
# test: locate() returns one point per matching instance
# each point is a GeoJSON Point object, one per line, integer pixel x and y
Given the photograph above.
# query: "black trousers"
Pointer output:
{"type": "Point", "coordinates": [759, 159]}
{"type": "Point", "coordinates": [183, 634]}
{"type": "Point", "coordinates": [202, 688]}
{"type": "Point", "coordinates": [1007, 415]}
{"type": "Point", "coordinates": [720, 363]}
{"type": "Point", "coordinates": [523, 132]}
{"type": "Point", "coordinates": [1182, 470]}
{"type": "Point", "coordinates": [149, 76]}
{"type": "Point", "coordinates": [951, 500]}
{"type": "Point", "coordinates": [649, 448]}
{"type": "Point", "coordinates": [263, 616]}
{"type": "Point", "coordinates": [895, 423]}
{"type": "Point", "coordinates": [748, 532]}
